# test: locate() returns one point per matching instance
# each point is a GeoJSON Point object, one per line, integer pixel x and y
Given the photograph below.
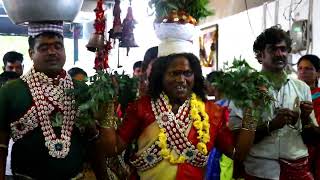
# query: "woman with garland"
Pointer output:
{"type": "Point", "coordinates": [308, 69]}
{"type": "Point", "coordinates": [175, 126]}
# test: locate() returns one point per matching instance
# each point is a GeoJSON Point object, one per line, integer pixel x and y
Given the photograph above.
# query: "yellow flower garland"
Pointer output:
{"type": "Point", "coordinates": [198, 113]}
{"type": "Point", "coordinates": [201, 123]}
{"type": "Point", "coordinates": [165, 152]}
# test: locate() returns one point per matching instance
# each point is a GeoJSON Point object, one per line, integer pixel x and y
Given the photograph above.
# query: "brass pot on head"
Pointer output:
{"type": "Point", "coordinates": [22, 11]}
{"type": "Point", "coordinates": [96, 42]}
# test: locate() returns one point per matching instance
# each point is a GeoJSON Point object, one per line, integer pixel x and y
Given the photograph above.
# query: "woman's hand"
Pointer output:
{"type": "Point", "coordinates": [106, 116]}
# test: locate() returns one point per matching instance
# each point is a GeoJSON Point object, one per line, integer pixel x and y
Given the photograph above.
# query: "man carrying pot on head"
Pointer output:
{"type": "Point", "coordinates": [38, 114]}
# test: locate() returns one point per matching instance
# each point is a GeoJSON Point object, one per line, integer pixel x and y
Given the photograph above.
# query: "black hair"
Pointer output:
{"type": "Point", "coordinates": [137, 64]}
{"type": "Point", "coordinates": [315, 61]}
{"type": "Point", "coordinates": [32, 40]}
{"type": "Point", "coordinates": [12, 56]}
{"type": "Point", "coordinates": [150, 55]}
{"type": "Point", "coordinates": [213, 75]}
{"type": "Point", "coordinates": [6, 76]}
{"type": "Point", "coordinates": [74, 71]}
{"type": "Point", "coordinates": [160, 66]}
{"type": "Point", "coordinates": [272, 35]}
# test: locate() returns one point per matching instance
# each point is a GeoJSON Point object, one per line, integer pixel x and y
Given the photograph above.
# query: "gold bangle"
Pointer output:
{"type": "Point", "coordinates": [249, 123]}
{"type": "Point", "coordinates": [109, 122]}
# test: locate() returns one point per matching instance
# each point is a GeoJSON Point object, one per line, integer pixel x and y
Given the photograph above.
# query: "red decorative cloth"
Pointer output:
{"type": "Point", "coordinates": [291, 170]}
{"type": "Point", "coordinates": [314, 150]}
{"type": "Point", "coordinates": [295, 169]}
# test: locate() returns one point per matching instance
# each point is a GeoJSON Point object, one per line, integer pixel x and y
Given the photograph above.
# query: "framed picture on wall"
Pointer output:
{"type": "Point", "coordinates": [208, 42]}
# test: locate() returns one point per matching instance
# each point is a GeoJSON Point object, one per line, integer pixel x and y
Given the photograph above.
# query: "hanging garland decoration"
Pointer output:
{"type": "Point", "coordinates": [100, 21]}
{"type": "Point", "coordinates": [101, 59]}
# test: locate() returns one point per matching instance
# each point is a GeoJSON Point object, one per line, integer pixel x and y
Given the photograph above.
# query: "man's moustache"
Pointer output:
{"type": "Point", "coordinates": [279, 59]}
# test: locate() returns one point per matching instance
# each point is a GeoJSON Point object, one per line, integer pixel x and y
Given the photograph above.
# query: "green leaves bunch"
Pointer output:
{"type": "Point", "coordinates": [104, 88]}
{"type": "Point", "coordinates": [244, 85]}
{"type": "Point", "coordinates": [195, 8]}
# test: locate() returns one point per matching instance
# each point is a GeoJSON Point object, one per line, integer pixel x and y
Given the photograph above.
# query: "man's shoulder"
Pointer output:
{"type": "Point", "coordinates": [297, 81]}
{"type": "Point", "coordinates": [300, 84]}
{"type": "Point", "coordinates": [15, 85]}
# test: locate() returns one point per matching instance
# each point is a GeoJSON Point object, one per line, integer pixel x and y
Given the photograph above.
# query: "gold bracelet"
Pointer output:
{"type": "Point", "coordinates": [108, 122]}
{"type": "Point", "coordinates": [248, 121]}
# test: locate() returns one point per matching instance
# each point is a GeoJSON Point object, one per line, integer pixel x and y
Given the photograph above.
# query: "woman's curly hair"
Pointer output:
{"type": "Point", "coordinates": [160, 67]}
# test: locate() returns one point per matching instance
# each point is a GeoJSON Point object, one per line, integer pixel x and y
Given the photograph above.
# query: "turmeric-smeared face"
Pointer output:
{"type": "Point", "coordinates": [178, 79]}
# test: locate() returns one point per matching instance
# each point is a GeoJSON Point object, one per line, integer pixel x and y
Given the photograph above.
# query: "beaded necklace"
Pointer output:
{"type": "Point", "coordinates": [173, 128]}
{"type": "Point", "coordinates": [48, 98]}
{"type": "Point", "coordinates": [172, 137]}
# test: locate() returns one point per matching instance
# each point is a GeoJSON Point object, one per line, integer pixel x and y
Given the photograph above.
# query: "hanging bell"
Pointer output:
{"type": "Point", "coordinates": [96, 42]}
{"type": "Point", "coordinates": [128, 42]}
{"type": "Point", "coordinates": [117, 27]}
{"type": "Point", "coordinates": [112, 36]}
{"type": "Point", "coordinates": [127, 39]}
{"type": "Point", "coordinates": [117, 31]}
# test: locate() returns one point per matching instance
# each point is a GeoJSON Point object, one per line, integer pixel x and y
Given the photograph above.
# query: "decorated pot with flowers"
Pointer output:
{"type": "Point", "coordinates": [175, 23]}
